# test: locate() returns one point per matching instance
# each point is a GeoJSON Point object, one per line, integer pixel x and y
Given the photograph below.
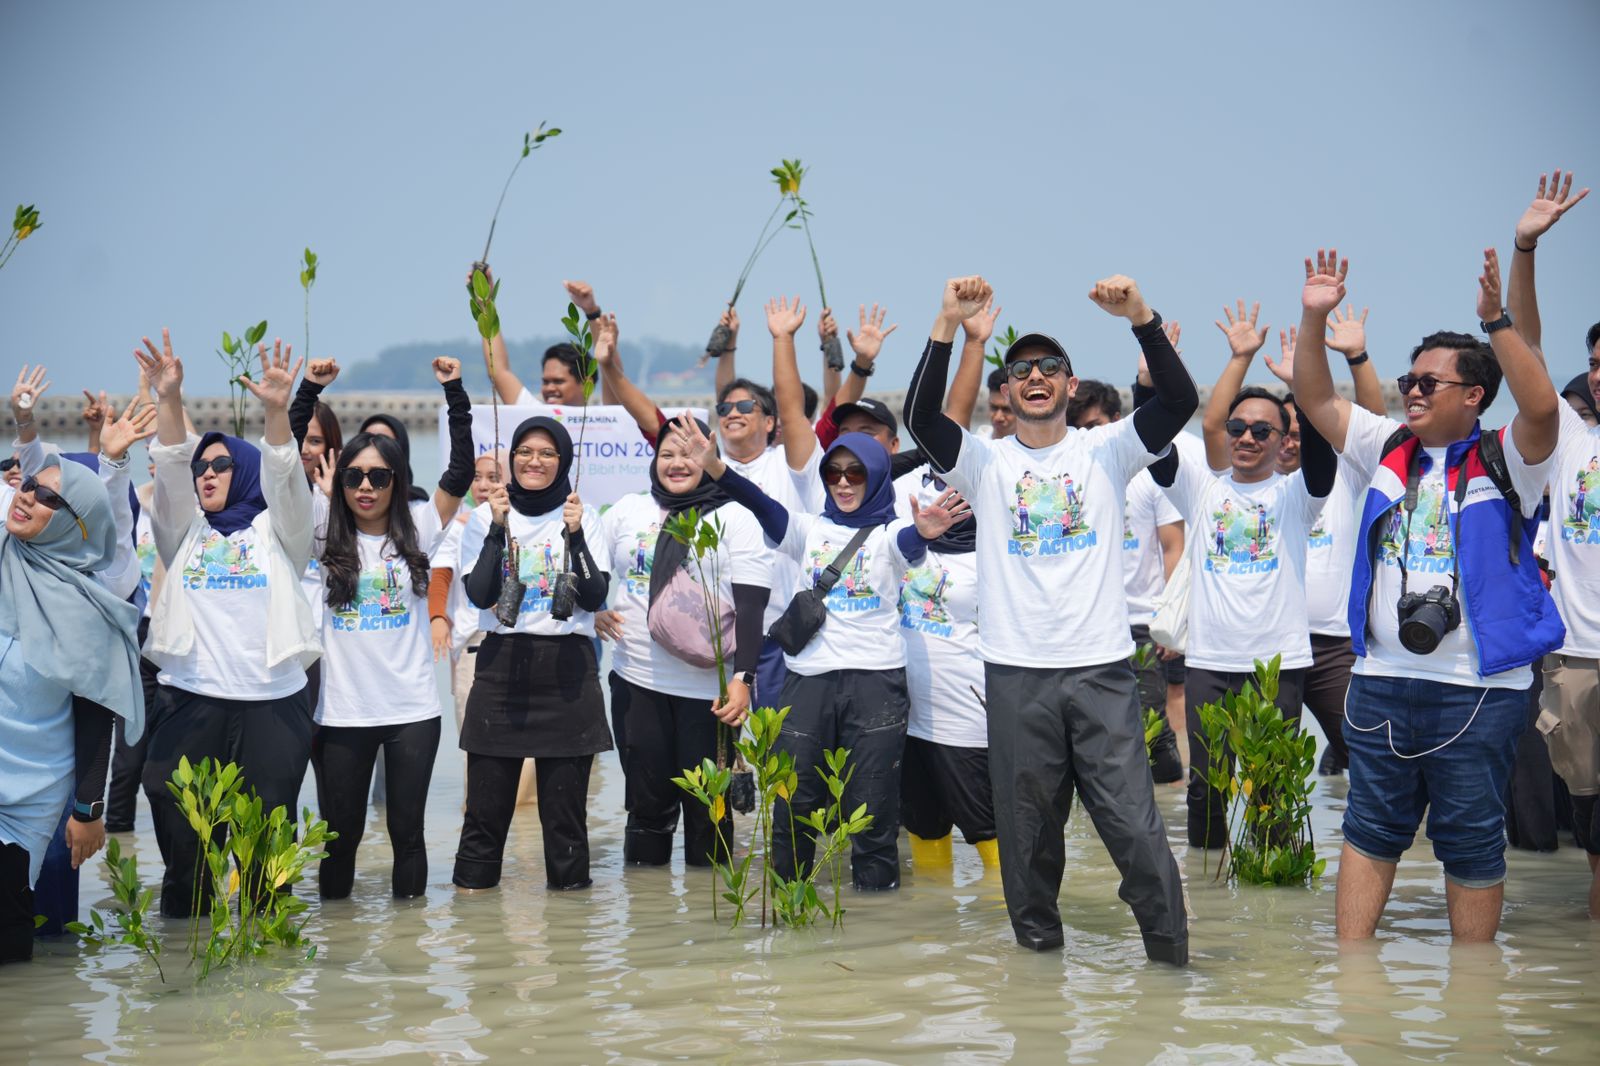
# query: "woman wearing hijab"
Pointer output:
{"type": "Point", "coordinates": [847, 686]}
{"type": "Point", "coordinates": [536, 693]}
{"type": "Point", "coordinates": [68, 663]}
{"type": "Point", "coordinates": [230, 630]}
{"type": "Point", "coordinates": [665, 710]}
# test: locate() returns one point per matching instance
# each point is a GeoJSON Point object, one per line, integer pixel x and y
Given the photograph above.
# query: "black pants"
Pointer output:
{"type": "Point", "coordinates": [16, 905]}
{"type": "Point", "coordinates": [659, 736]}
{"type": "Point", "coordinates": [270, 740]}
{"type": "Point", "coordinates": [344, 757]}
{"type": "Point", "coordinates": [1327, 681]}
{"type": "Point", "coordinates": [1056, 729]}
{"type": "Point", "coordinates": [1208, 807]}
{"type": "Point", "coordinates": [943, 786]}
{"type": "Point", "coordinates": [127, 760]}
{"type": "Point", "coordinates": [864, 711]}
{"type": "Point", "coordinates": [563, 789]}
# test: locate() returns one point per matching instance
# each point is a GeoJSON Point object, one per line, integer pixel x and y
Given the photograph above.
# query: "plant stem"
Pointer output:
{"type": "Point", "coordinates": [761, 244]}
{"type": "Point", "coordinates": [805, 221]}
{"type": "Point", "coordinates": [484, 258]}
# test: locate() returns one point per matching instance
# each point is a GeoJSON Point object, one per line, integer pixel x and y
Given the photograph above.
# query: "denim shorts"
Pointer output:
{"type": "Point", "coordinates": [1461, 787]}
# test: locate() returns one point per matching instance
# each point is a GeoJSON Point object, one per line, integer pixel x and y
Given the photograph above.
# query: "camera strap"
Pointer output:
{"type": "Point", "coordinates": [1413, 484]}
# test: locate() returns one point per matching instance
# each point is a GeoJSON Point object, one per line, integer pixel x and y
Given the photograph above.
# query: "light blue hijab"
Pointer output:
{"type": "Point", "coordinates": [70, 628]}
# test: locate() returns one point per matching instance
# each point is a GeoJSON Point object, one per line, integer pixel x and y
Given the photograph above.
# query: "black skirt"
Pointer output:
{"type": "Point", "coordinates": [535, 697]}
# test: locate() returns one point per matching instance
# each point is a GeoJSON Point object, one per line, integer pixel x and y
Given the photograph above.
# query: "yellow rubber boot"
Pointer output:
{"type": "Point", "coordinates": [989, 851]}
{"type": "Point", "coordinates": [930, 852]}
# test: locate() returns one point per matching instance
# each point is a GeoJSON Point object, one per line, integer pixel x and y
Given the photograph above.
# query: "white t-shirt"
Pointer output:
{"type": "Point", "coordinates": [1247, 556]}
{"type": "Point", "coordinates": [1573, 539]}
{"type": "Point", "coordinates": [226, 580]}
{"type": "Point", "coordinates": [863, 627]}
{"type": "Point", "coordinates": [1430, 554]}
{"type": "Point", "coordinates": [629, 531]}
{"type": "Point", "coordinates": [540, 561]}
{"type": "Point", "coordinates": [377, 655]}
{"type": "Point", "coordinates": [1144, 570]}
{"type": "Point", "coordinates": [144, 546]}
{"type": "Point", "coordinates": [447, 554]}
{"type": "Point", "coordinates": [1331, 558]}
{"type": "Point", "coordinates": [770, 472]}
{"type": "Point", "coordinates": [1050, 585]}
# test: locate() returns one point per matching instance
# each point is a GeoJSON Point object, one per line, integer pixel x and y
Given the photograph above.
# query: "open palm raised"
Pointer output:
{"type": "Point", "coordinates": [1324, 289]}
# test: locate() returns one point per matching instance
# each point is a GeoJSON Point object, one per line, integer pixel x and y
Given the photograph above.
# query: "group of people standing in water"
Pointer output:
{"type": "Point", "coordinates": [985, 595]}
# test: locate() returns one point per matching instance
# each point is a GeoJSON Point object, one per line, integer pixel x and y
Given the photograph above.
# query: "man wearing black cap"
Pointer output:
{"type": "Point", "coordinates": [1063, 705]}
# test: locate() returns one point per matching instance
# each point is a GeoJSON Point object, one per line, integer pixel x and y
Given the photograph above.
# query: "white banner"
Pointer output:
{"type": "Point", "coordinates": [614, 456]}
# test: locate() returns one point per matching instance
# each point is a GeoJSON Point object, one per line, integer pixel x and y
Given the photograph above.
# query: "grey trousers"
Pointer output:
{"type": "Point", "coordinates": [1051, 730]}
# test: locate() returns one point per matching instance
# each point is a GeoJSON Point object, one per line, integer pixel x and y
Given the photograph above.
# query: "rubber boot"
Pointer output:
{"type": "Point", "coordinates": [989, 851]}
{"type": "Point", "coordinates": [930, 852]}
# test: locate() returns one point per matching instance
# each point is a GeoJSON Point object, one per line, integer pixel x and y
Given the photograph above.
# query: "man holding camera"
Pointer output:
{"type": "Point", "coordinates": [1446, 607]}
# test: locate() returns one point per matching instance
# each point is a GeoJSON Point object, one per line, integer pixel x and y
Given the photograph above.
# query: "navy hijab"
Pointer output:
{"type": "Point", "coordinates": [244, 500]}
{"type": "Point", "coordinates": [877, 507]}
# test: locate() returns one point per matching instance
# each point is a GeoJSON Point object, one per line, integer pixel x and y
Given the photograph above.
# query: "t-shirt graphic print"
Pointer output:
{"type": "Point", "coordinates": [924, 606]}
{"type": "Point", "coordinates": [1580, 524]}
{"type": "Point", "coordinates": [1242, 539]}
{"type": "Point", "coordinates": [1047, 514]}
{"type": "Point", "coordinates": [538, 564]}
{"type": "Point", "coordinates": [1425, 538]}
{"type": "Point", "coordinates": [381, 601]}
{"type": "Point", "coordinates": [224, 562]}
{"type": "Point", "coordinates": [853, 591]}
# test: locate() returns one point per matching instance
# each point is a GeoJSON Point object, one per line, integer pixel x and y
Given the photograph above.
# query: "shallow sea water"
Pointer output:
{"type": "Point", "coordinates": [634, 970]}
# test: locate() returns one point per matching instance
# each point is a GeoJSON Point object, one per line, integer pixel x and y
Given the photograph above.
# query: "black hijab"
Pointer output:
{"type": "Point", "coordinates": [704, 498]}
{"type": "Point", "coordinates": [960, 538]}
{"type": "Point", "coordinates": [402, 438]}
{"type": "Point", "coordinates": [1579, 387]}
{"type": "Point", "coordinates": [535, 502]}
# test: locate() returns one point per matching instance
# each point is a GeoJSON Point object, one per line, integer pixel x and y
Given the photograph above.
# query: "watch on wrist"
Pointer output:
{"type": "Point", "coordinates": [88, 812]}
{"type": "Point", "coordinates": [1357, 360]}
{"type": "Point", "coordinates": [1503, 322]}
{"type": "Point", "coordinates": [592, 315]}
{"type": "Point", "coordinates": [859, 371]}
{"type": "Point", "coordinates": [749, 679]}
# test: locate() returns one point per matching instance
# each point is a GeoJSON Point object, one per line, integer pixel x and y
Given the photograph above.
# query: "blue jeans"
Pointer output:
{"type": "Point", "coordinates": [1396, 775]}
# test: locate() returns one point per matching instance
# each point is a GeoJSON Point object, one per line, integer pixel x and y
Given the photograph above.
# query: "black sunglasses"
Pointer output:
{"type": "Point", "coordinates": [1424, 383]}
{"type": "Point", "coordinates": [52, 499]}
{"type": "Point", "coordinates": [220, 464]}
{"type": "Point", "coordinates": [1258, 430]}
{"type": "Point", "coordinates": [8, 464]}
{"type": "Point", "coordinates": [932, 480]}
{"type": "Point", "coordinates": [850, 475]}
{"type": "Point", "coordinates": [379, 477]}
{"type": "Point", "coordinates": [1049, 366]}
{"type": "Point", "coordinates": [744, 407]}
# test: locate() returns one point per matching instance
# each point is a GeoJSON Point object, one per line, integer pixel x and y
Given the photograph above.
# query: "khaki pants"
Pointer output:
{"type": "Point", "coordinates": [464, 669]}
{"type": "Point", "coordinates": [1570, 720]}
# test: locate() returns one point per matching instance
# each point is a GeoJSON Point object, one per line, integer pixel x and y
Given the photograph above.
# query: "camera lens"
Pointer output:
{"type": "Point", "coordinates": [1423, 625]}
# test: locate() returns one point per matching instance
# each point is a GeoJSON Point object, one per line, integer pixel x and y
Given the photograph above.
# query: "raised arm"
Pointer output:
{"type": "Point", "coordinates": [828, 329]}
{"type": "Point", "coordinates": [1538, 407]}
{"type": "Point", "coordinates": [727, 370]}
{"type": "Point", "coordinates": [120, 434]}
{"type": "Point", "coordinates": [1347, 335]}
{"type": "Point", "coordinates": [614, 381]}
{"type": "Point", "coordinates": [866, 345]}
{"type": "Point", "coordinates": [774, 520]}
{"type": "Point", "coordinates": [457, 476]}
{"type": "Point", "coordinates": [1552, 200]}
{"type": "Point", "coordinates": [934, 432]}
{"type": "Point", "coordinates": [1314, 393]}
{"type": "Point", "coordinates": [95, 412]}
{"type": "Point", "coordinates": [1244, 341]}
{"type": "Point", "coordinates": [799, 439]}
{"type": "Point", "coordinates": [320, 373]}
{"type": "Point", "coordinates": [31, 384]}
{"type": "Point", "coordinates": [1176, 398]}
{"type": "Point", "coordinates": [496, 361]}
{"type": "Point", "coordinates": [963, 395]}
{"type": "Point", "coordinates": [283, 480]}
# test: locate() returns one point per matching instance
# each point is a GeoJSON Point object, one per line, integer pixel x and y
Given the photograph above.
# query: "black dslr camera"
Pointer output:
{"type": "Point", "coordinates": [1425, 617]}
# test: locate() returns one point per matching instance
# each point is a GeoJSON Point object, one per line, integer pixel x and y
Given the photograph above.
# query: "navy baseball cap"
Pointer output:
{"type": "Point", "coordinates": [876, 410]}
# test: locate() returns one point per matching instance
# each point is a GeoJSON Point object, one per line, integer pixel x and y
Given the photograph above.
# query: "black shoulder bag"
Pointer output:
{"type": "Point", "coordinates": [809, 608]}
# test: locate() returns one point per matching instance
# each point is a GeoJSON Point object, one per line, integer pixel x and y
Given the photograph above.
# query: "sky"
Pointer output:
{"type": "Point", "coordinates": [183, 154]}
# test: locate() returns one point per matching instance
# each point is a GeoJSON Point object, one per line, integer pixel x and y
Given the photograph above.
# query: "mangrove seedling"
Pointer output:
{"type": "Point", "coordinates": [788, 175]}
{"type": "Point", "coordinates": [130, 915]}
{"type": "Point", "coordinates": [997, 354]}
{"type": "Point", "coordinates": [721, 336]}
{"type": "Point", "coordinates": [23, 225]}
{"type": "Point", "coordinates": [308, 278]}
{"type": "Point", "coordinates": [531, 142]}
{"type": "Point", "coordinates": [235, 355]}
{"type": "Point", "coordinates": [564, 595]}
{"type": "Point", "coordinates": [483, 295]}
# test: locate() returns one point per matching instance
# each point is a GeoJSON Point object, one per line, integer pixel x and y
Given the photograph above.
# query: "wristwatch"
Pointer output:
{"type": "Point", "coordinates": [1503, 322]}
{"type": "Point", "coordinates": [1357, 360]}
{"type": "Point", "coordinates": [859, 371]}
{"type": "Point", "coordinates": [749, 679]}
{"type": "Point", "coordinates": [592, 315]}
{"type": "Point", "coordinates": [87, 812]}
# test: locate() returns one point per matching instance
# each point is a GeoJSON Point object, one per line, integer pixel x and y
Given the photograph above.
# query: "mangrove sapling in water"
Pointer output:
{"type": "Point", "coordinates": [483, 295]}
{"type": "Point", "coordinates": [564, 595]}
{"type": "Point", "coordinates": [1268, 793]}
{"type": "Point", "coordinates": [131, 914]}
{"type": "Point", "coordinates": [23, 223]}
{"type": "Point", "coordinates": [235, 355]}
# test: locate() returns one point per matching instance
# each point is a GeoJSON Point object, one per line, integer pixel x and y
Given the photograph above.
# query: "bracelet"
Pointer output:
{"type": "Point", "coordinates": [1520, 248]}
{"type": "Point", "coordinates": [22, 425]}
{"type": "Point", "coordinates": [859, 371]}
{"type": "Point", "coordinates": [592, 315]}
{"type": "Point", "coordinates": [1358, 360]}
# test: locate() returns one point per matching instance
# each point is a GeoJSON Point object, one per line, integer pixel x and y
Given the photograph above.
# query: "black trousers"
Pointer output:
{"type": "Point", "coordinates": [270, 740]}
{"type": "Point", "coordinates": [1326, 683]}
{"type": "Point", "coordinates": [563, 789]}
{"type": "Point", "coordinates": [1055, 729]}
{"type": "Point", "coordinates": [659, 736]}
{"type": "Point", "coordinates": [16, 905]}
{"type": "Point", "coordinates": [943, 786]}
{"type": "Point", "coordinates": [344, 757]}
{"type": "Point", "coordinates": [1208, 807]}
{"type": "Point", "coordinates": [127, 760]}
{"type": "Point", "coordinates": [864, 711]}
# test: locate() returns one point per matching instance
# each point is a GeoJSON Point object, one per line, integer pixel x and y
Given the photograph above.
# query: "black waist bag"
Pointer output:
{"type": "Point", "coordinates": [809, 609]}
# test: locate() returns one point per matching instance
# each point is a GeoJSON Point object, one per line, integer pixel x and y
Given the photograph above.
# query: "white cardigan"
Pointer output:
{"type": "Point", "coordinates": [285, 526]}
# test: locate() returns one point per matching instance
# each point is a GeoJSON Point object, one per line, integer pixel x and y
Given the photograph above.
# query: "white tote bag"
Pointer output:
{"type": "Point", "coordinates": [1169, 627]}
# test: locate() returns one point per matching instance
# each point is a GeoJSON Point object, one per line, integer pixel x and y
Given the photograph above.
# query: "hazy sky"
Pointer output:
{"type": "Point", "coordinates": [182, 155]}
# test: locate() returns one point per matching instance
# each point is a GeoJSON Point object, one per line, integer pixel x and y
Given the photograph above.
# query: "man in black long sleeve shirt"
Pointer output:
{"type": "Point", "coordinates": [1062, 699]}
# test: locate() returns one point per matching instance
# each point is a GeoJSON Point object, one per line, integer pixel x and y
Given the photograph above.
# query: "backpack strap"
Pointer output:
{"type": "Point", "coordinates": [1397, 438]}
{"type": "Point", "coordinates": [836, 568]}
{"type": "Point", "coordinates": [1493, 455]}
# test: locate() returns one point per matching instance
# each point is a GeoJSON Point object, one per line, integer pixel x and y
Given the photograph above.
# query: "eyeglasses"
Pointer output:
{"type": "Point", "coordinates": [930, 480]}
{"type": "Point", "coordinates": [844, 475]}
{"type": "Point", "coordinates": [1424, 383]}
{"type": "Point", "coordinates": [379, 477]}
{"type": "Point", "coordinates": [9, 464]}
{"type": "Point", "coordinates": [744, 407]}
{"type": "Point", "coordinates": [548, 455]}
{"type": "Point", "coordinates": [1259, 431]}
{"type": "Point", "coordinates": [52, 499]}
{"type": "Point", "coordinates": [220, 464]}
{"type": "Point", "coordinates": [1049, 366]}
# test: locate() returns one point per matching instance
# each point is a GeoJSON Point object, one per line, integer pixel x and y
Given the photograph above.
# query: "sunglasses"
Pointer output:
{"type": "Point", "coordinates": [930, 480]}
{"type": "Point", "coordinates": [844, 475]}
{"type": "Point", "coordinates": [1049, 366]}
{"type": "Point", "coordinates": [379, 477]}
{"type": "Point", "coordinates": [52, 499]}
{"type": "Point", "coordinates": [1424, 384]}
{"type": "Point", "coordinates": [9, 464]}
{"type": "Point", "coordinates": [1259, 431]}
{"type": "Point", "coordinates": [744, 407]}
{"type": "Point", "coordinates": [220, 464]}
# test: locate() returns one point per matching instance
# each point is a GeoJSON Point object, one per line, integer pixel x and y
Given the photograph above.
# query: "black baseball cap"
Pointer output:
{"type": "Point", "coordinates": [1040, 340]}
{"type": "Point", "coordinates": [876, 410]}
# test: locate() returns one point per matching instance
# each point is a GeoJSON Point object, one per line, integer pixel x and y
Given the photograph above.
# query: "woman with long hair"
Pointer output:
{"type": "Point", "coordinates": [537, 690]}
{"type": "Point", "coordinates": [375, 573]}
